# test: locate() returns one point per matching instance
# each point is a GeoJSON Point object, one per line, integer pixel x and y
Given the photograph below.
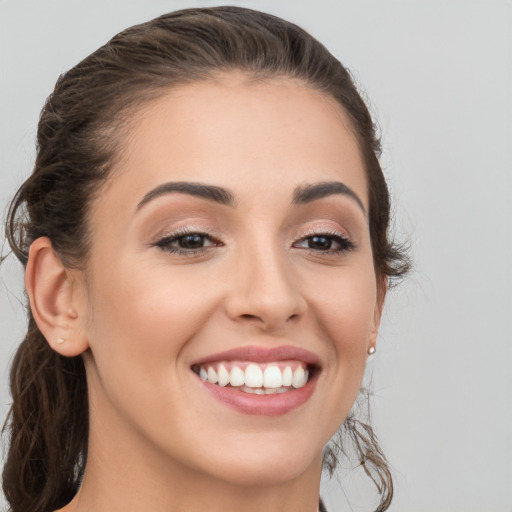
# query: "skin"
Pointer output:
{"type": "Point", "coordinates": [141, 315]}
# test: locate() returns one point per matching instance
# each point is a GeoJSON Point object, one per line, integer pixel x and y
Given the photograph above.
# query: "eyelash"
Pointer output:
{"type": "Point", "coordinates": [164, 243]}
{"type": "Point", "coordinates": [345, 244]}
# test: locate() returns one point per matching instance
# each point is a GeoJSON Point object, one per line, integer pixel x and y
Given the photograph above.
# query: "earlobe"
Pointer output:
{"type": "Point", "coordinates": [54, 300]}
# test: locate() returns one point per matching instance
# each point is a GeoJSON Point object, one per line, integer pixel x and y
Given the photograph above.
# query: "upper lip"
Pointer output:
{"type": "Point", "coordinates": [260, 354]}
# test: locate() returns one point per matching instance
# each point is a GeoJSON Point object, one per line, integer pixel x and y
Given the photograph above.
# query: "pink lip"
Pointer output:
{"type": "Point", "coordinates": [262, 405]}
{"type": "Point", "coordinates": [262, 355]}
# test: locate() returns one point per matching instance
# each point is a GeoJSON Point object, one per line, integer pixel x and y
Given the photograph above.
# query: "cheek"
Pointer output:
{"type": "Point", "coordinates": [345, 314]}
{"type": "Point", "coordinates": [346, 309]}
{"type": "Point", "coordinates": [143, 317]}
{"type": "Point", "coordinates": [140, 327]}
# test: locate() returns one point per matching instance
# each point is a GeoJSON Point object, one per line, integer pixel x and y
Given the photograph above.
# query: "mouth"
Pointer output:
{"type": "Point", "coordinates": [260, 381]}
{"type": "Point", "coordinates": [256, 378]}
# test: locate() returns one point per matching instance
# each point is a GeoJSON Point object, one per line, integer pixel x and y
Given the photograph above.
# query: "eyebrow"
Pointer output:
{"type": "Point", "coordinates": [211, 192]}
{"type": "Point", "coordinates": [307, 193]}
{"type": "Point", "coordinates": [302, 194]}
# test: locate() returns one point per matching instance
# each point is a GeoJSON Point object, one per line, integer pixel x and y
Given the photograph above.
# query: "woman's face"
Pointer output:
{"type": "Point", "coordinates": [231, 244]}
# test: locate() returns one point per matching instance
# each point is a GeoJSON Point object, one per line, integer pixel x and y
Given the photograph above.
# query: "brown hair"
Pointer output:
{"type": "Point", "coordinates": [78, 138]}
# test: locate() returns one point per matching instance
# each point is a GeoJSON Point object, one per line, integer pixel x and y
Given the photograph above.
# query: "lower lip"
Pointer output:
{"type": "Point", "coordinates": [261, 405]}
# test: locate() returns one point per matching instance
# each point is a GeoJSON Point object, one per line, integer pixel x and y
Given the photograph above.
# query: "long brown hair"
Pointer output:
{"type": "Point", "coordinates": [80, 128]}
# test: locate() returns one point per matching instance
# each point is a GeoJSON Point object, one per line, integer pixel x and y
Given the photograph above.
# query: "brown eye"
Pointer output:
{"type": "Point", "coordinates": [320, 243]}
{"type": "Point", "coordinates": [187, 243]}
{"type": "Point", "coordinates": [333, 244]}
{"type": "Point", "coordinates": [192, 241]}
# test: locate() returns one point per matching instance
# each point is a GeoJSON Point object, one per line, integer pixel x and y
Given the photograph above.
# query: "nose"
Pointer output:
{"type": "Point", "coordinates": [264, 292]}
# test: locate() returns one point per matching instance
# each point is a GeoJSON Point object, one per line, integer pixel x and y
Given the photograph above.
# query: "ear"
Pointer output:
{"type": "Point", "coordinates": [56, 299]}
{"type": "Point", "coordinates": [382, 288]}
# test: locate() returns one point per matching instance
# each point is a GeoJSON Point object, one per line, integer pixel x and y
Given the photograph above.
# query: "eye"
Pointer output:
{"type": "Point", "coordinates": [185, 242]}
{"type": "Point", "coordinates": [330, 243]}
{"type": "Point", "coordinates": [192, 241]}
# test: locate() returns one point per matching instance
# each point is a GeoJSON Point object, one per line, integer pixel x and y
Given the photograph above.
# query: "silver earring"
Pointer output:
{"type": "Point", "coordinates": [371, 351]}
{"type": "Point", "coordinates": [60, 341]}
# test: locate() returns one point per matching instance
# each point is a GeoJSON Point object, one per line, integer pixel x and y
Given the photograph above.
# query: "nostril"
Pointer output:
{"type": "Point", "coordinates": [250, 317]}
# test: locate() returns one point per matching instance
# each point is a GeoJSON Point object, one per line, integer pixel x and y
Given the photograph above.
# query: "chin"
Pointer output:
{"type": "Point", "coordinates": [269, 460]}
{"type": "Point", "coordinates": [267, 471]}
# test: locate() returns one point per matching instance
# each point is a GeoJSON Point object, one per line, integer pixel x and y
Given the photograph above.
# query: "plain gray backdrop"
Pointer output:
{"type": "Point", "coordinates": [438, 76]}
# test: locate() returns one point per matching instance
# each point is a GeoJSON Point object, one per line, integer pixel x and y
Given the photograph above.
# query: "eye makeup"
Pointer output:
{"type": "Point", "coordinates": [187, 241]}
{"type": "Point", "coordinates": [325, 242]}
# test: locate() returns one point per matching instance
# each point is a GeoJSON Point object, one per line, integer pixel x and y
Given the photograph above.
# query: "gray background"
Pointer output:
{"type": "Point", "coordinates": [439, 76]}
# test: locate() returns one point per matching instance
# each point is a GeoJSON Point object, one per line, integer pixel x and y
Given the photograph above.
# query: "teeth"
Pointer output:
{"type": "Point", "coordinates": [287, 376]}
{"type": "Point", "coordinates": [263, 391]}
{"type": "Point", "coordinates": [237, 376]}
{"type": "Point", "coordinates": [299, 377]}
{"type": "Point", "coordinates": [272, 377]}
{"type": "Point", "coordinates": [212, 375]}
{"type": "Point", "coordinates": [268, 378]}
{"type": "Point", "coordinates": [223, 375]}
{"type": "Point", "coordinates": [253, 376]}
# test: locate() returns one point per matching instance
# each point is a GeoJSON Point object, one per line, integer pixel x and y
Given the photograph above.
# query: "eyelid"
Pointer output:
{"type": "Point", "coordinates": [164, 242]}
{"type": "Point", "coordinates": [324, 230]}
{"type": "Point", "coordinates": [184, 230]}
{"type": "Point", "coordinates": [345, 241]}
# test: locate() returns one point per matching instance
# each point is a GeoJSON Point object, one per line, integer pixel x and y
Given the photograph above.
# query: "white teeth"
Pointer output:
{"type": "Point", "coordinates": [253, 376]}
{"type": "Point", "coordinates": [223, 375]}
{"type": "Point", "coordinates": [287, 376]}
{"type": "Point", "coordinates": [272, 377]}
{"type": "Point", "coordinates": [212, 375]}
{"type": "Point", "coordinates": [263, 391]}
{"type": "Point", "coordinates": [299, 377]}
{"type": "Point", "coordinates": [237, 376]}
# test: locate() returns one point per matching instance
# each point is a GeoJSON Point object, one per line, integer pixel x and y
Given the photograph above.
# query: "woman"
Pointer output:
{"type": "Point", "coordinates": [206, 251]}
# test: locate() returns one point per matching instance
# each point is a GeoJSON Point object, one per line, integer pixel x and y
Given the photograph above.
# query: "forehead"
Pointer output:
{"type": "Point", "coordinates": [250, 133]}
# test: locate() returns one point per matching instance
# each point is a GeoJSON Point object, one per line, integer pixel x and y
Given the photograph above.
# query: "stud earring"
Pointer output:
{"type": "Point", "coordinates": [60, 341]}
{"type": "Point", "coordinates": [371, 351]}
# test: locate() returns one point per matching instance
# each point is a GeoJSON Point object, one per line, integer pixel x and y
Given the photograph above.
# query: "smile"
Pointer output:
{"type": "Point", "coordinates": [260, 379]}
